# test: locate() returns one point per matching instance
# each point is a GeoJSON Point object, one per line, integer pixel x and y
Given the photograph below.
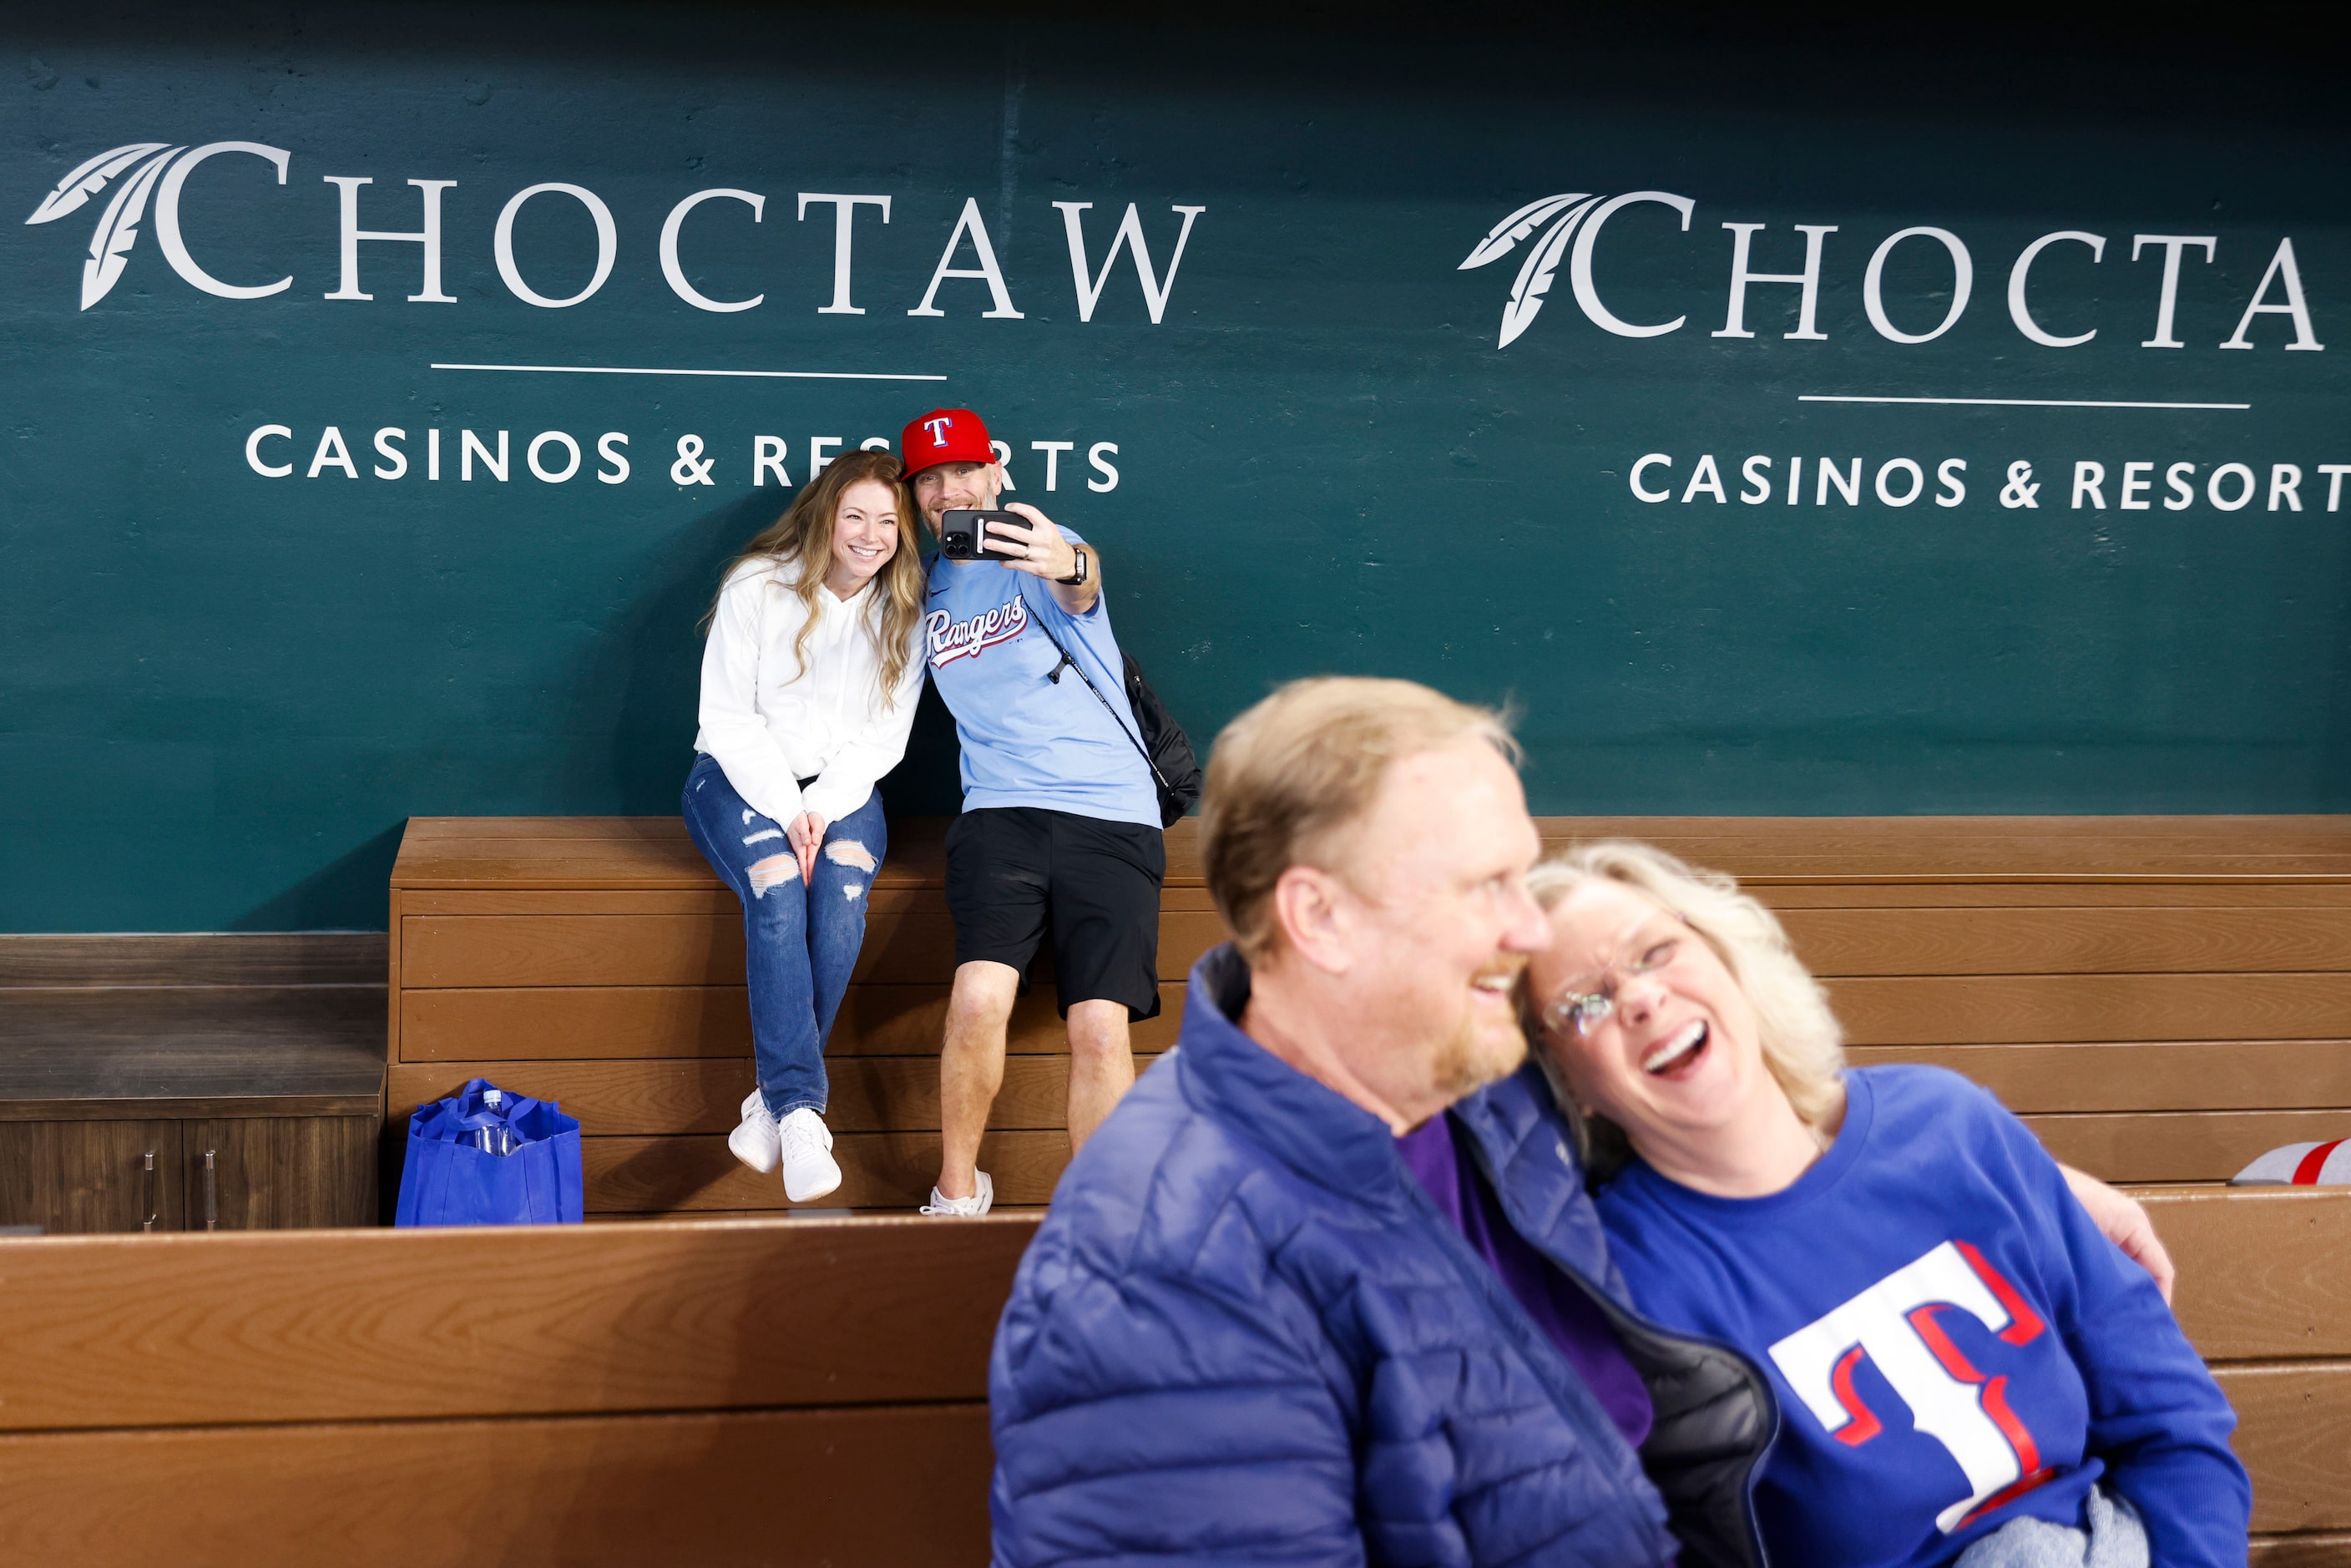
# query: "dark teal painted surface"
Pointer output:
{"type": "Point", "coordinates": [220, 694]}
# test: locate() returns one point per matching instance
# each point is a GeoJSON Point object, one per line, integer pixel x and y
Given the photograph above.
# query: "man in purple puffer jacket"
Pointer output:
{"type": "Point", "coordinates": [1326, 1288]}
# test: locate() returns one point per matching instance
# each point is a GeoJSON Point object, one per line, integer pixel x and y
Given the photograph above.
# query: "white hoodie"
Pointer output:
{"type": "Point", "coordinates": [771, 723]}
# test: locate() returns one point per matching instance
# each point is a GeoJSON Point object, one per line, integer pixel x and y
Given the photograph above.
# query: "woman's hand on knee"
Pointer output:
{"type": "Point", "coordinates": [806, 833]}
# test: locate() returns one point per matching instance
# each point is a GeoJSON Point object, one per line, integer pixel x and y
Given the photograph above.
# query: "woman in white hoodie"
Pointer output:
{"type": "Point", "coordinates": [809, 685]}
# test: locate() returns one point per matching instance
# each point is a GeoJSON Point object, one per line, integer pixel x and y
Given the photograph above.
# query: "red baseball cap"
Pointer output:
{"type": "Point", "coordinates": [945, 436]}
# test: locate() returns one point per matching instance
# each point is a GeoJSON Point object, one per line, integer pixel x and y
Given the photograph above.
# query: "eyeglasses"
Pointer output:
{"type": "Point", "coordinates": [1586, 1002]}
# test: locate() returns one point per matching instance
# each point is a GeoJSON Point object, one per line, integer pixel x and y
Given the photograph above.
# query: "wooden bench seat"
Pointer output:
{"type": "Point", "coordinates": [180, 1081]}
{"type": "Point", "coordinates": [671, 1392]}
{"type": "Point", "coordinates": [2161, 997]}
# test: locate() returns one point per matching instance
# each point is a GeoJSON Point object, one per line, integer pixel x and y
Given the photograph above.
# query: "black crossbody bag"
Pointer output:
{"type": "Point", "coordinates": [1165, 749]}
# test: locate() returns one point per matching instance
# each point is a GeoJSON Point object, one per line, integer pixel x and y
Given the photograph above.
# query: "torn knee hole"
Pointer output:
{"type": "Point", "coordinates": [773, 872]}
{"type": "Point", "coordinates": [849, 852]}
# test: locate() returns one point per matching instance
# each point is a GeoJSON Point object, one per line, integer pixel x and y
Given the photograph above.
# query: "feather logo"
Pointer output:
{"type": "Point", "coordinates": [118, 226]}
{"type": "Point", "coordinates": [1541, 268]}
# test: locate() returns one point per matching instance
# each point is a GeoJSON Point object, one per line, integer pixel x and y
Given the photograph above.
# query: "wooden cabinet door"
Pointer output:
{"type": "Point", "coordinates": [280, 1172]}
{"type": "Point", "coordinates": [77, 1177]}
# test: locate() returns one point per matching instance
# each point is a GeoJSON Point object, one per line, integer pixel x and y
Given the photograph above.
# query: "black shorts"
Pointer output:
{"type": "Point", "coordinates": [1014, 870]}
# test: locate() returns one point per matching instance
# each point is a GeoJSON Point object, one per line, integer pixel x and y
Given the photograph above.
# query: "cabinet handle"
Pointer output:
{"type": "Point", "coordinates": [212, 1195]}
{"type": "Point", "coordinates": [148, 1165]}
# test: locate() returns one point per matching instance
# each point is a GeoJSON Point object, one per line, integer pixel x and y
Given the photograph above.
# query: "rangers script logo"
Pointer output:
{"type": "Point", "coordinates": [952, 640]}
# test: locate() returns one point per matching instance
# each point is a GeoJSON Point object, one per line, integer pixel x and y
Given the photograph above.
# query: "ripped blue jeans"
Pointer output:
{"type": "Point", "coordinates": [800, 942]}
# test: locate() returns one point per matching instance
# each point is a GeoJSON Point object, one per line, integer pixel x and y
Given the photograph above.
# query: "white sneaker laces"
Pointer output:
{"type": "Point", "coordinates": [804, 1135]}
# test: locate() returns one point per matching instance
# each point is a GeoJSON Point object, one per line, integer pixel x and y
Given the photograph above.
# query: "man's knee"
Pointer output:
{"type": "Point", "coordinates": [1098, 1029]}
{"type": "Point", "coordinates": [983, 996]}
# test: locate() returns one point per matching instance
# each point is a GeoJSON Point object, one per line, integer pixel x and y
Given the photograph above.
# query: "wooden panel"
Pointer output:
{"type": "Point", "coordinates": [652, 852]}
{"type": "Point", "coordinates": [2157, 1146]}
{"type": "Point", "coordinates": [2326, 1551]}
{"type": "Point", "coordinates": [80, 1177]}
{"type": "Point", "coordinates": [569, 950]}
{"type": "Point", "coordinates": [1184, 936]}
{"type": "Point", "coordinates": [2070, 941]}
{"type": "Point", "coordinates": [869, 1094]}
{"type": "Point", "coordinates": [392, 978]}
{"type": "Point", "coordinates": [2196, 1076]}
{"type": "Point", "coordinates": [645, 853]}
{"type": "Point", "coordinates": [603, 1021]}
{"type": "Point", "coordinates": [909, 938]}
{"type": "Point", "coordinates": [712, 900]}
{"type": "Point", "coordinates": [194, 958]}
{"type": "Point", "coordinates": [1932, 838]}
{"type": "Point", "coordinates": [509, 1321]}
{"type": "Point", "coordinates": [189, 1051]}
{"type": "Point", "coordinates": [2055, 1009]}
{"type": "Point", "coordinates": [282, 1173]}
{"type": "Point", "coordinates": [2294, 1435]}
{"type": "Point", "coordinates": [879, 1170]}
{"type": "Point", "coordinates": [2264, 1273]}
{"type": "Point", "coordinates": [855, 1489]}
{"type": "Point", "coordinates": [2247, 894]}
{"type": "Point", "coordinates": [2324, 832]}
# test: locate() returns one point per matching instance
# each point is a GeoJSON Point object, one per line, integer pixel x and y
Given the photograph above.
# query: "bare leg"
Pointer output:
{"type": "Point", "coordinates": [1102, 1066]}
{"type": "Point", "coordinates": [971, 1068]}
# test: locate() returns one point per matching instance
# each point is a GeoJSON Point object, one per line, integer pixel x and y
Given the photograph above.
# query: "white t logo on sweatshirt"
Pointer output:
{"type": "Point", "coordinates": [1893, 1323]}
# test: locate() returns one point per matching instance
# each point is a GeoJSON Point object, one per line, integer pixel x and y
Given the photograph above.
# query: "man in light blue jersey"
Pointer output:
{"type": "Point", "coordinates": [1061, 825]}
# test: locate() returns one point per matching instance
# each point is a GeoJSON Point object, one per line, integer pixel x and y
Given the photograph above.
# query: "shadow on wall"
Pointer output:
{"type": "Point", "coordinates": [653, 659]}
{"type": "Point", "coordinates": [324, 900]}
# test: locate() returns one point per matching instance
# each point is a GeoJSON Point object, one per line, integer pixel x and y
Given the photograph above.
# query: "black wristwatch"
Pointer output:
{"type": "Point", "coordinates": [1078, 578]}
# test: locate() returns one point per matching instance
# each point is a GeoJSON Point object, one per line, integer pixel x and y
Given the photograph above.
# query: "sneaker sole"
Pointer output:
{"type": "Point", "coordinates": [810, 1195]}
{"type": "Point", "coordinates": [746, 1145]}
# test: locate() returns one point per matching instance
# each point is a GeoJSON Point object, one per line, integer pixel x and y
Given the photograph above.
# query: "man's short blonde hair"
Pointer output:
{"type": "Point", "coordinates": [1287, 778]}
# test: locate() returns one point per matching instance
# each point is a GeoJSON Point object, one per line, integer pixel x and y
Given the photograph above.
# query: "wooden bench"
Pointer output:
{"type": "Point", "coordinates": [2163, 998]}
{"type": "Point", "coordinates": [597, 961]}
{"type": "Point", "coordinates": [182, 1082]}
{"type": "Point", "coordinates": [808, 1391]}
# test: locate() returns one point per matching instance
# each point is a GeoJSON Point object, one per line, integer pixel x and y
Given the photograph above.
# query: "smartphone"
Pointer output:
{"type": "Point", "coordinates": [960, 533]}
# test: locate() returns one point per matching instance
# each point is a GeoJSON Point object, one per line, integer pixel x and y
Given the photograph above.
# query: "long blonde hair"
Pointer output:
{"type": "Point", "coordinates": [1803, 1045]}
{"type": "Point", "coordinates": [803, 537]}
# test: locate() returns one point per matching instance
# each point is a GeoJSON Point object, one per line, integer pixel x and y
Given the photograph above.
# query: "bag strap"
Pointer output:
{"type": "Point", "coordinates": [1055, 677]}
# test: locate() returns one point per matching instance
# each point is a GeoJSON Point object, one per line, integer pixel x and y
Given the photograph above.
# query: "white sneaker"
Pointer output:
{"type": "Point", "coordinates": [809, 1171]}
{"type": "Point", "coordinates": [943, 1208]}
{"type": "Point", "coordinates": [754, 1141]}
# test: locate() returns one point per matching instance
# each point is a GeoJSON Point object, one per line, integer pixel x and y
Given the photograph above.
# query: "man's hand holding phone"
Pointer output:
{"type": "Point", "coordinates": [1039, 550]}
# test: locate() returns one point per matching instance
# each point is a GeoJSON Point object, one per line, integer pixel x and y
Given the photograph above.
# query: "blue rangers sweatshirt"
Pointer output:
{"type": "Point", "coordinates": [1952, 1341]}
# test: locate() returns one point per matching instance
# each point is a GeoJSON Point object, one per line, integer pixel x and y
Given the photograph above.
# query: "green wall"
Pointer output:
{"type": "Point", "coordinates": [221, 692]}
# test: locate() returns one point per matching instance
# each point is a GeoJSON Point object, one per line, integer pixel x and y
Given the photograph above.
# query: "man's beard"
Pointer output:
{"type": "Point", "coordinates": [1470, 1060]}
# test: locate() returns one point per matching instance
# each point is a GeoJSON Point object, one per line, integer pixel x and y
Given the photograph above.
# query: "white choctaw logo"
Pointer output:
{"type": "Point", "coordinates": [951, 639]}
{"type": "Point", "coordinates": [1892, 1325]}
{"type": "Point", "coordinates": [1575, 220]}
{"type": "Point", "coordinates": [152, 172]}
{"type": "Point", "coordinates": [1542, 266]}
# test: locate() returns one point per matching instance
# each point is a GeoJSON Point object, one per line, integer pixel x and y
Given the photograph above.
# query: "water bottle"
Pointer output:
{"type": "Point", "coordinates": [496, 1138]}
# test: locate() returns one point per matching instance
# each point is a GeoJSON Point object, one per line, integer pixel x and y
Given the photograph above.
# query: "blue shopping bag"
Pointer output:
{"type": "Point", "coordinates": [487, 1157]}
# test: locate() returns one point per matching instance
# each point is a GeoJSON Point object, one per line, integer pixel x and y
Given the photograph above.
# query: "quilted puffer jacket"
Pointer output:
{"type": "Point", "coordinates": [1245, 1335]}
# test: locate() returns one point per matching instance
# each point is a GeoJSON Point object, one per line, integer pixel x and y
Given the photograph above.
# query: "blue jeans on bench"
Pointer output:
{"type": "Point", "coordinates": [800, 942]}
